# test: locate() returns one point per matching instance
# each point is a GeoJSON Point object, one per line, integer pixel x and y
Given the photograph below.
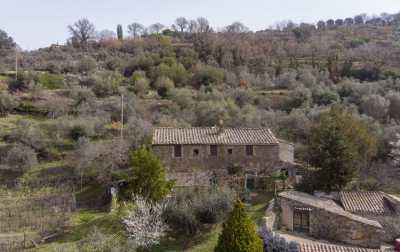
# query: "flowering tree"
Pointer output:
{"type": "Point", "coordinates": [145, 224]}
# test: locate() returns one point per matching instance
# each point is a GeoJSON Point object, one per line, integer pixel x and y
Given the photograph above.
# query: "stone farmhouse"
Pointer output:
{"type": "Point", "coordinates": [201, 156]}
{"type": "Point", "coordinates": [362, 219]}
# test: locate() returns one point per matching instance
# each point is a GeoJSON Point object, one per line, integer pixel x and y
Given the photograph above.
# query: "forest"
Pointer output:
{"type": "Point", "coordinates": [76, 119]}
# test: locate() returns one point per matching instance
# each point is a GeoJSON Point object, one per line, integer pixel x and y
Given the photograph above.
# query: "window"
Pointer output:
{"type": "Point", "coordinates": [301, 220]}
{"type": "Point", "coordinates": [213, 150]}
{"type": "Point", "coordinates": [195, 152]}
{"type": "Point", "coordinates": [230, 151]}
{"type": "Point", "coordinates": [178, 150]}
{"type": "Point", "coordinates": [249, 150]}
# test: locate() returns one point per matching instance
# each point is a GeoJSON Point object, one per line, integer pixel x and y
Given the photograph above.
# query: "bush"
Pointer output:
{"type": "Point", "coordinates": [77, 132]}
{"type": "Point", "coordinates": [273, 243]}
{"type": "Point", "coordinates": [7, 103]}
{"type": "Point", "coordinates": [51, 81]}
{"type": "Point", "coordinates": [189, 210]}
{"type": "Point", "coordinates": [164, 85]}
{"type": "Point", "coordinates": [21, 158]}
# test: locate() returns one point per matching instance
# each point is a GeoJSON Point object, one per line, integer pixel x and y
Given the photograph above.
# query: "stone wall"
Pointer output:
{"type": "Point", "coordinates": [335, 225]}
{"type": "Point", "coordinates": [200, 168]}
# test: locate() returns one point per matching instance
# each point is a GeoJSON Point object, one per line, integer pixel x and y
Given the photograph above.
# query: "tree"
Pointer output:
{"type": "Point", "coordinates": [21, 158]}
{"type": "Point", "coordinates": [156, 28]}
{"type": "Point", "coordinates": [333, 154]}
{"type": "Point", "coordinates": [193, 26]}
{"type": "Point", "coordinates": [239, 233]}
{"type": "Point", "coordinates": [105, 35]}
{"type": "Point", "coordinates": [147, 177]}
{"type": "Point", "coordinates": [182, 23]}
{"type": "Point", "coordinates": [135, 29]}
{"type": "Point", "coordinates": [120, 32]}
{"type": "Point", "coordinates": [82, 30]}
{"type": "Point", "coordinates": [338, 147]}
{"type": "Point", "coordinates": [7, 103]}
{"type": "Point", "coordinates": [237, 27]}
{"type": "Point", "coordinates": [321, 25]}
{"type": "Point", "coordinates": [203, 25]}
{"type": "Point", "coordinates": [375, 106]}
{"type": "Point", "coordinates": [6, 43]}
{"type": "Point", "coordinates": [144, 224]}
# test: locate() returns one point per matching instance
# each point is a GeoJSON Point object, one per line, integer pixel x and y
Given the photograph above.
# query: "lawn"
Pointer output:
{"type": "Point", "coordinates": [84, 221]}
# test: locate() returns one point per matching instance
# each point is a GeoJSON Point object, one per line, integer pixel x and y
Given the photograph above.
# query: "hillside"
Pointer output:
{"type": "Point", "coordinates": [60, 119]}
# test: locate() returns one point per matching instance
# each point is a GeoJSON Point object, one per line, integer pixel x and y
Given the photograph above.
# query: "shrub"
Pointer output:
{"type": "Point", "coordinates": [51, 81]}
{"type": "Point", "coordinates": [273, 242]}
{"type": "Point", "coordinates": [189, 210]}
{"type": "Point", "coordinates": [164, 85]}
{"type": "Point", "coordinates": [180, 217]}
{"type": "Point", "coordinates": [21, 158]}
{"type": "Point", "coordinates": [77, 132]}
{"type": "Point", "coordinates": [7, 103]}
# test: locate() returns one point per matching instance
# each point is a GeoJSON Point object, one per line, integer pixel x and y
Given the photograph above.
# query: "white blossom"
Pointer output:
{"type": "Point", "coordinates": [144, 224]}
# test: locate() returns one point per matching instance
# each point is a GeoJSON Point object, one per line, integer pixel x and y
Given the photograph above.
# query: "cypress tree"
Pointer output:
{"type": "Point", "coordinates": [239, 233]}
{"type": "Point", "coordinates": [120, 32]}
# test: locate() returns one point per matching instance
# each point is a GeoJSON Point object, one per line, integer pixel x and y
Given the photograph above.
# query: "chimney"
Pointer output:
{"type": "Point", "coordinates": [220, 126]}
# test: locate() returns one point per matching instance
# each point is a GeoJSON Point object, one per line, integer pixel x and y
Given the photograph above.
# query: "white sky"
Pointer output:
{"type": "Point", "coordinates": [39, 23]}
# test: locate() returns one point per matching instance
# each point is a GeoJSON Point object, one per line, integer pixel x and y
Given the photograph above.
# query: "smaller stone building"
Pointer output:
{"type": "Point", "coordinates": [198, 156]}
{"type": "Point", "coordinates": [364, 219]}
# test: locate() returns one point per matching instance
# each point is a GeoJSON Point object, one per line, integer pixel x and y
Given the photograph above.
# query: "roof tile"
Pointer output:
{"type": "Point", "coordinates": [363, 202]}
{"type": "Point", "coordinates": [214, 135]}
{"type": "Point", "coordinates": [321, 247]}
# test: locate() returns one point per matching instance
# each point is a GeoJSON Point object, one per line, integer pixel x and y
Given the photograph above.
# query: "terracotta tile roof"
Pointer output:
{"type": "Point", "coordinates": [321, 247]}
{"type": "Point", "coordinates": [307, 200]}
{"type": "Point", "coordinates": [363, 202]}
{"type": "Point", "coordinates": [212, 135]}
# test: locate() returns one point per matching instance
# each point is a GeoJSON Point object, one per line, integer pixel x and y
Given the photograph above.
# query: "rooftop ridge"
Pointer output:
{"type": "Point", "coordinates": [213, 135]}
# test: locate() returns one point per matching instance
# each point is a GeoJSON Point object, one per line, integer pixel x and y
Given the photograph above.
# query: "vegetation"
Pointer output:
{"type": "Point", "coordinates": [147, 177]}
{"type": "Point", "coordinates": [331, 88]}
{"type": "Point", "coordinates": [239, 233]}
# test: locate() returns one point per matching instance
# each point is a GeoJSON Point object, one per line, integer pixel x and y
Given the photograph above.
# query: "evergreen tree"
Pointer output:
{"type": "Point", "coordinates": [239, 233]}
{"type": "Point", "coordinates": [120, 32]}
{"type": "Point", "coordinates": [332, 152]}
{"type": "Point", "coordinates": [147, 177]}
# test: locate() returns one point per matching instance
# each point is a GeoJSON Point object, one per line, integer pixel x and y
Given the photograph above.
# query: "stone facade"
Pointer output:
{"type": "Point", "coordinates": [196, 166]}
{"type": "Point", "coordinates": [185, 169]}
{"type": "Point", "coordinates": [329, 221]}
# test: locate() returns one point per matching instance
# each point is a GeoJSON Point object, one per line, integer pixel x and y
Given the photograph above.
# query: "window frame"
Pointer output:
{"type": "Point", "coordinates": [176, 146]}
{"type": "Point", "coordinates": [249, 150]}
{"type": "Point", "coordinates": [214, 150]}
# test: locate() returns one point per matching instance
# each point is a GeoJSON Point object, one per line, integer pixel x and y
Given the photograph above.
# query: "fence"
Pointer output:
{"type": "Point", "coordinates": [25, 219]}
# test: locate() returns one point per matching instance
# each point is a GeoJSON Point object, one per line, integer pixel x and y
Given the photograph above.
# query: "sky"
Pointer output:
{"type": "Point", "coordinates": [38, 23]}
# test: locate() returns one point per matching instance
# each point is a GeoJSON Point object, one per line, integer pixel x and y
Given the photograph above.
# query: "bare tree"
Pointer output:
{"type": "Point", "coordinates": [82, 30]}
{"type": "Point", "coordinates": [204, 25]}
{"type": "Point", "coordinates": [135, 29]}
{"type": "Point", "coordinates": [182, 23]}
{"type": "Point", "coordinates": [156, 28]}
{"type": "Point", "coordinates": [193, 26]}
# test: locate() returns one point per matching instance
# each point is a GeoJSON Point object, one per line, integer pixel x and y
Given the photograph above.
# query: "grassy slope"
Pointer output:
{"type": "Point", "coordinates": [84, 221]}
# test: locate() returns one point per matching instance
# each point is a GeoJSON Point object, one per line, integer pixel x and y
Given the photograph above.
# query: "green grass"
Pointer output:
{"type": "Point", "coordinates": [81, 224]}
{"type": "Point", "coordinates": [84, 221]}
